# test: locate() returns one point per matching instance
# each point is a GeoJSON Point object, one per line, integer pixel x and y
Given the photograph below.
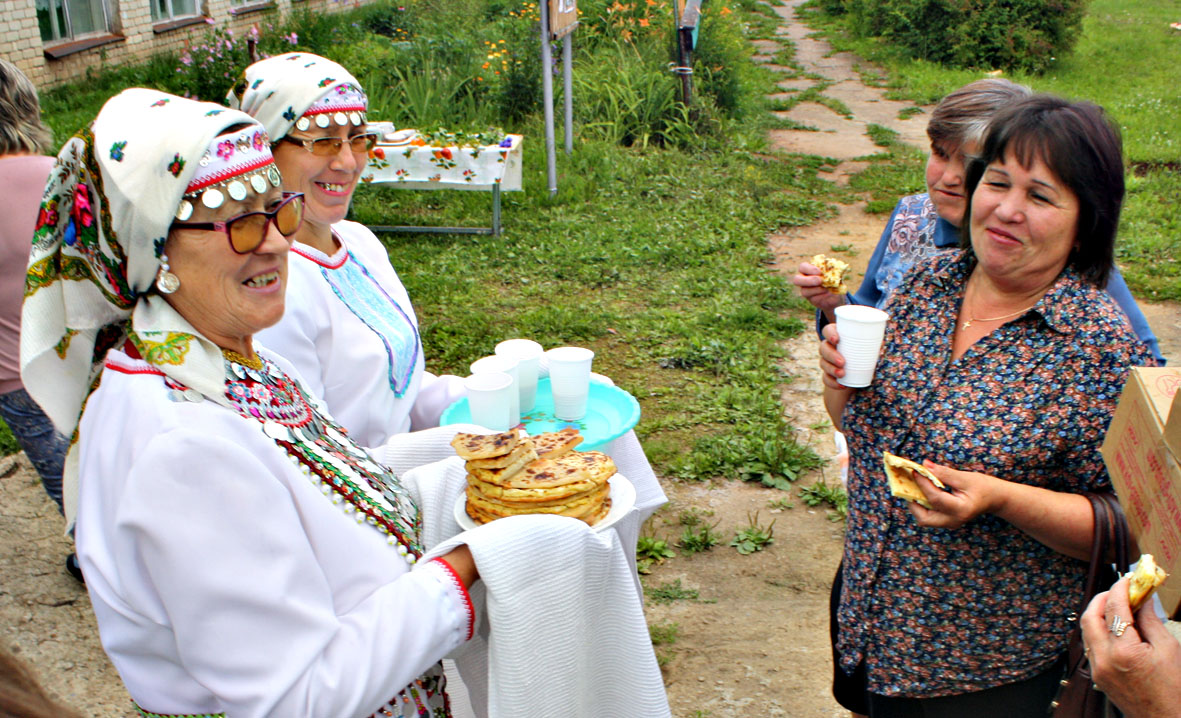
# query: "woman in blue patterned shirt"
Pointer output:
{"type": "Point", "coordinates": [1001, 369]}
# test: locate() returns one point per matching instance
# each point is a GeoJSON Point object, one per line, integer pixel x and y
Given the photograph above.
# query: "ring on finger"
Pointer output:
{"type": "Point", "coordinates": [1118, 626]}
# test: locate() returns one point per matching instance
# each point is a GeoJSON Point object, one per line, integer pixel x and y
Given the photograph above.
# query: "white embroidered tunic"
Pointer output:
{"type": "Point", "coordinates": [350, 331]}
{"type": "Point", "coordinates": [227, 579]}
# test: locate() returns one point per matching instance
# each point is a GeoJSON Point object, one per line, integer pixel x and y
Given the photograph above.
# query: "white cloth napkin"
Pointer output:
{"type": "Point", "coordinates": [404, 452]}
{"type": "Point", "coordinates": [561, 629]}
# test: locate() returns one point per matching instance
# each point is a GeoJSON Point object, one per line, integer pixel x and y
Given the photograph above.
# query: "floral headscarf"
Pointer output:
{"type": "Point", "coordinates": [105, 215]}
{"type": "Point", "coordinates": [280, 90]}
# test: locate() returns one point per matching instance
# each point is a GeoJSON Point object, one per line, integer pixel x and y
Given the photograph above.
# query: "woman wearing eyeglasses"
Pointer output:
{"type": "Point", "coordinates": [244, 556]}
{"type": "Point", "coordinates": [349, 329]}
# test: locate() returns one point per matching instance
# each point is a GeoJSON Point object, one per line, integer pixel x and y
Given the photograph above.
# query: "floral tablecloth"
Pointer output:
{"type": "Point", "coordinates": [421, 166]}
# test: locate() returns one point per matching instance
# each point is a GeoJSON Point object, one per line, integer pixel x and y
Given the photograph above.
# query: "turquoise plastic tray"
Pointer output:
{"type": "Point", "coordinates": [610, 413]}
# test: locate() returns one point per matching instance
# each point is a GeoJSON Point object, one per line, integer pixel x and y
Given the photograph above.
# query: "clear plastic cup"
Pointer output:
{"type": "Point", "coordinates": [489, 397]}
{"type": "Point", "coordinates": [528, 355]}
{"type": "Point", "coordinates": [503, 365]}
{"type": "Point", "coordinates": [861, 331]}
{"type": "Point", "coordinates": [569, 376]}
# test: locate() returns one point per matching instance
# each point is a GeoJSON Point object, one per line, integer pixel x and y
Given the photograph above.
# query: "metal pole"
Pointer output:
{"type": "Point", "coordinates": [685, 56]}
{"type": "Point", "coordinates": [547, 94]}
{"type": "Point", "coordinates": [568, 97]}
{"type": "Point", "coordinates": [496, 210]}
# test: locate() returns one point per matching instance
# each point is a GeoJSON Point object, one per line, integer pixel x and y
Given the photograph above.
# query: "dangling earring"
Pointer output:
{"type": "Point", "coordinates": [166, 281]}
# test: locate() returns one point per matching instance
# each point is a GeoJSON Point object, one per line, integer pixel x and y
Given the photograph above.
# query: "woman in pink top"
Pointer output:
{"type": "Point", "coordinates": [23, 171]}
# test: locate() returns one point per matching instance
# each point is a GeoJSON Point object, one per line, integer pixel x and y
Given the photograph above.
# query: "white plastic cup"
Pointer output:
{"type": "Point", "coordinates": [489, 397]}
{"type": "Point", "coordinates": [504, 365]}
{"type": "Point", "coordinates": [569, 376]}
{"type": "Point", "coordinates": [528, 355]}
{"type": "Point", "coordinates": [861, 330]}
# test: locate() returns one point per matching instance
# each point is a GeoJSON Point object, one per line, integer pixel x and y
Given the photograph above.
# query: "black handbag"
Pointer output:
{"type": "Point", "coordinates": [1077, 696]}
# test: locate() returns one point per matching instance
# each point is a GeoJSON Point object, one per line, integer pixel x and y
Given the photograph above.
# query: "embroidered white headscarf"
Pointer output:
{"type": "Point", "coordinates": [105, 215]}
{"type": "Point", "coordinates": [280, 90]}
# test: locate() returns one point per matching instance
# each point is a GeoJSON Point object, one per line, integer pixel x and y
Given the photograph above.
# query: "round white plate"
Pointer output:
{"type": "Point", "coordinates": [623, 498]}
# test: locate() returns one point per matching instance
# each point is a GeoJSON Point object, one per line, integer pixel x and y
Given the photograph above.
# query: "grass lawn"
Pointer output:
{"type": "Point", "coordinates": [1126, 60]}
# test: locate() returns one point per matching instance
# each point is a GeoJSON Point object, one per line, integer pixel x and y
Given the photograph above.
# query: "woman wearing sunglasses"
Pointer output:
{"type": "Point", "coordinates": [349, 329]}
{"type": "Point", "coordinates": [243, 555]}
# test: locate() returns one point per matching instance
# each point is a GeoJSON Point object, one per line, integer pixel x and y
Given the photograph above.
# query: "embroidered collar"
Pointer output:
{"type": "Point", "coordinates": [310, 253]}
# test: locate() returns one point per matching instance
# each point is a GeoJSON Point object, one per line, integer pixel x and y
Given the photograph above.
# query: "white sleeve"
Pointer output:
{"type": "Point", "coordinates": [435, 394]}
{"type": "Point", "coordinates": [254, 616]}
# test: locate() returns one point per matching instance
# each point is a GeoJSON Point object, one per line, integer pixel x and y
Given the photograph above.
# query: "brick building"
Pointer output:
{"type": "Point", "coordinates": [53, 41]}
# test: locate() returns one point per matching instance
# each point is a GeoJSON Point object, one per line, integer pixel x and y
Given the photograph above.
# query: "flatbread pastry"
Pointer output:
{"type": "Point", "coordinates": [900, 476]}
{"type": "Point", "coordinates": [485, 446]}
{"type": "Point", "coordinates": [832, 273]}
{"type": "Point", "coordinates": [1147, 576]}
{"type": "Point", "coordinates": [524, 450]}
{"type": "Point", "coordinates": [595, 465]}
{"type": "Point", "coordinates": [530, 495]}
{"type": "Point", "coordinates": [505, 473]}
{"type": "Point", "coordinates": [553, 444]}
{"type": "Point", "coordinates": [577, 505]}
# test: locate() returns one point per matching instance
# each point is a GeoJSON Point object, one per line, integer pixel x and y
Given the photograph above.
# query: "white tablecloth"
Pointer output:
{"type": "Point", "coordinates": [464, 168]}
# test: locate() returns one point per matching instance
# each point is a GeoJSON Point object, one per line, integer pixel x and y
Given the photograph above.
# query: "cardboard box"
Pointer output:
{"type": "Point", "coordinates": [1142, 451]}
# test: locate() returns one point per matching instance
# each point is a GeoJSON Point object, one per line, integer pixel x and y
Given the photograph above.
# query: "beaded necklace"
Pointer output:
{"type": "Point", "coordinates": [323, 452]}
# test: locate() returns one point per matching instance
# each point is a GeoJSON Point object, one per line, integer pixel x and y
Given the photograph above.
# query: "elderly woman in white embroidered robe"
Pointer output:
{"type": "Point", "coordinates": [243, 555]}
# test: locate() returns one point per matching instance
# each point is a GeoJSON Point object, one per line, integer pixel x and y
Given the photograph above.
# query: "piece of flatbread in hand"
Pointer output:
{"type": "Point", "coordinates": [832, 273]}
{"type": "Point", "coordinates": [1147, 576]}
{"type": "Point", "coordinates": [900, 475]}
{"type": "Point", "coordinates": [485, 446]}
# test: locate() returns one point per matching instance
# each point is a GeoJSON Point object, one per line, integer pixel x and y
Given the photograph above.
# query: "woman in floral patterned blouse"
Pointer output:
{"type": "Point", "coordinates": [1000, 371]}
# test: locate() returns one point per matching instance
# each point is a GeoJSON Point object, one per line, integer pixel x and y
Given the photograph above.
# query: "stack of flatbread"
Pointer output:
{"type": "Point", "coordinates": [510, 474]}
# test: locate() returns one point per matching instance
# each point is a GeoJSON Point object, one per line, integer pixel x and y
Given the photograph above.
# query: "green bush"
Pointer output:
{"type": "Point", "coordinates": [1025, 35]}
{"type": "Point", "coordinates": [722, 69]}
{"type": "Point", "coordinates": [631, 100]}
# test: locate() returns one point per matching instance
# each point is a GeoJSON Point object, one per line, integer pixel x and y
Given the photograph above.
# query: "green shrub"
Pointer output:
{"type": "Point", "coordinates": [722, 70]}
{"type": "Point", "coordinates": [632, 100]}
{"type": "Point", "coordinates": [1025, 35]}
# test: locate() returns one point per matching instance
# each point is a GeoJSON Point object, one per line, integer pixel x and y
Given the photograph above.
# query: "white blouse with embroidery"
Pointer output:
{"type": "Point", "coordinates": [226, 580]}
{"type": "Point", "coordinates": [350, 331]}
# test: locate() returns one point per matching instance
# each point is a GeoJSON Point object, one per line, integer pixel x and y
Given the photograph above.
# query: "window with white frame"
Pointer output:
{"type": "Point", "coordinates": [163, 10]}
{"type": "Point", "coordinates": [68, 19]}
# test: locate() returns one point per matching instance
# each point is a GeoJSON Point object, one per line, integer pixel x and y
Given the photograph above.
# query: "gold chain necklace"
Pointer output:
{"type": "Point", "coordinates": [968, 322]}
{"type": "Point", "coordinates": [250, 363]}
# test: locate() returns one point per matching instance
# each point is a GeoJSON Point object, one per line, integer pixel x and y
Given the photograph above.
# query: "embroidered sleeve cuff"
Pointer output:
{"type": "Point", "coordinates": [451, 578]}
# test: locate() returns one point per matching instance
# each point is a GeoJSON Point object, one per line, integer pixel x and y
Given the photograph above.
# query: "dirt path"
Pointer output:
{"type": "Point", "coordinates": [754, 641]}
